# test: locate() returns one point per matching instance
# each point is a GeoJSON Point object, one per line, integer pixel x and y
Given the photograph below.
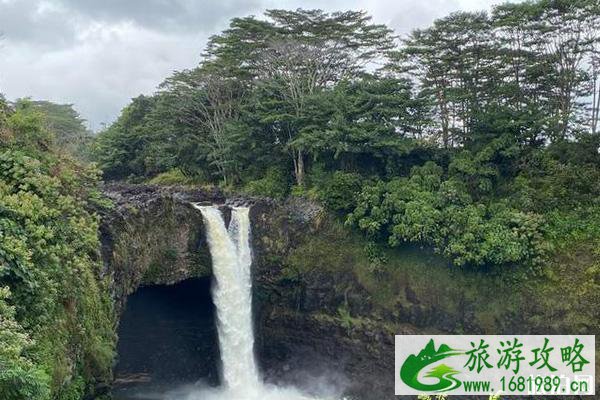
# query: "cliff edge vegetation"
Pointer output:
{"type": "Point", "coordinates": [56, 319]}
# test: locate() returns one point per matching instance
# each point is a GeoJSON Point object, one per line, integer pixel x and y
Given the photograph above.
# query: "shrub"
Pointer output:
{"type": "Point", "coordinates": [340, 191]}
{"type": "Point", "coordinates": [492, 235]}
{"type": "Point", "coordinates": [56, 326]}
{"type": "Point", "coordinates": [19, 377]}
{"type": "Point", "coordinates": [425, 210]}
{"type": "Point", "coordinates": [275, 184]}
{"type": "Point", "coordinates": [176, 177]}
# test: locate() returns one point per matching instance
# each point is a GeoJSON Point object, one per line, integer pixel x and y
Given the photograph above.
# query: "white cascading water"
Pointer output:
{"type": "Point", "coordinates": [232, 258]}
{"type": "Point", "coordinates": [232, 294]}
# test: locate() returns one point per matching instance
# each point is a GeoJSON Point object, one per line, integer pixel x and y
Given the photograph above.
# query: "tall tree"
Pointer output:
{"type": "Point", "coordinates": [205, 102]}
{"type": "Point", "coordinates": [455, 64]}
{"type": "Point", "coordinates": [555, 46]}
{"type": "Point", "coordinates": [68, 127]}
{"type": "Point", "coordinates": [365, 125]}
{"type": "Point", "coordinates": [120, 149]}
{"type": "Point", "coordinates": [526, 84]}
{"type": "Point", "coordinates": [295, 54]}
{"type": "Point", "coordinates": [4, 112]}
{"type": "Point", "coordinates": [592, 38]}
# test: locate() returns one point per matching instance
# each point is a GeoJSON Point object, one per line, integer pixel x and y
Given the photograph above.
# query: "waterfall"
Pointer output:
{"type": "Point", "coordinates": [232, 294]}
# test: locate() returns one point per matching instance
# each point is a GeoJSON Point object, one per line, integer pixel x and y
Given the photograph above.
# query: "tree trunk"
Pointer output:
{"type": "Point", "coordinates": [595, 105]}
{"type": "Point", "coordinates": [299, 168]}
{"type": "Point", "coordinates": [444, 118]}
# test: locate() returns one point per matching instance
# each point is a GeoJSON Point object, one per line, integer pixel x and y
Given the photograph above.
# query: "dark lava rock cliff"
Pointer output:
{"type": "Point", "coordinates": [325, 312]}
{"type": "Point", "coordinates": [154, 236]}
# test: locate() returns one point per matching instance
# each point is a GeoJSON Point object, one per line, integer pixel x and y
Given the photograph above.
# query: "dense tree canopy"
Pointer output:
{"type": "Point", "coordinates": [274, 67]}
{"type": "Point", "coordinates": [465, 136]}
{"type": "Point", "coordinates": [70, 132]}
{"type": "Point", "coordinates": [477, 138]}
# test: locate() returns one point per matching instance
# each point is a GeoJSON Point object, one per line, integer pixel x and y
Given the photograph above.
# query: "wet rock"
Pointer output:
{"type": "Point", "coordinates": [303, 320]}
{"type": "Point", "coordinates": [153, 235]}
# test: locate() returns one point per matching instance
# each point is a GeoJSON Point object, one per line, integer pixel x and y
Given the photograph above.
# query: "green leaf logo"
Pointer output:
{"type": "Point", "coordinates": [409, 372]}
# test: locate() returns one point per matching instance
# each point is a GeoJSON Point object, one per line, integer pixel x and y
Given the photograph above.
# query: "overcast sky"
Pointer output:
{"type": "Point", "coordinates": [99, 54]}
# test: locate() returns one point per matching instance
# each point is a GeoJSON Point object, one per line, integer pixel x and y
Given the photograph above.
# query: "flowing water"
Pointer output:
{"type": "Point", "coordinates": [231, 255]}
{"type": "Point", "coordinates": [232, 294]}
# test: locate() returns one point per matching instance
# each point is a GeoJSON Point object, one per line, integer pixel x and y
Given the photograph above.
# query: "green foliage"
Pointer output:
{"type": "Point", "coordinates": [120, 150]}
{"type": "Point", "coordinates": [566, 227]}
{"type": "Point", "coordinates": [415, 285]}
{"type": "Point", "coordinates": [376, 256]}
{"type": "Point", "coordinates": [492, 235]}
{"type": "Point", "coordinates": [340, 191]}
{"type": "Point", "coordinates": [427, 210]}
{"type": "Point", "coordinates": [258, 74]}
{"type": "Point", "coordinates": [346, 320]}
{"type": "Point", "coordinates": [25, 128]}
{"type": "Point", "coordinates": [549, 184]}
{"type": "Point", "coordinates": [478, 137]}
{"type": "Point", "coordinates": [61, 330]}
{"type": "Point", "coordinates": [176, 177]}
{"type": "Point", "coordinates": [4, 110]}
{"type": "Point", "coordinates": [364, 125]}
{"type": "Point", "coordinates": [524, 70]}
{"type": "Point", "coordinates": [274, 184]}
{"type": "Point", "coordinates": [44, 126]}
{"type": "Point", "coordinates": [334, 250]}
{"type": "Point", "coordinates": [67, 126]}
{"type": "Point", "coordinates": [20, 378]}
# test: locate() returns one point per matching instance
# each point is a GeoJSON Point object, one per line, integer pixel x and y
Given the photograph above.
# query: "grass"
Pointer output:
{"type": "Point", "coordinates": [177, 177]}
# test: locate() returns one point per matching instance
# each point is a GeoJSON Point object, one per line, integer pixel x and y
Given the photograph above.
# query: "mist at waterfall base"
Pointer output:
{"type": "Point", "coordinates": [232, 295]}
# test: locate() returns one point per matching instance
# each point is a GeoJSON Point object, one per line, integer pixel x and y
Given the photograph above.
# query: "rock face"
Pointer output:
{"type": "Point", "coordinates": [300, 337]}
{"type": "Point", "coordinates": [322, 307]}
{"type": "Point", "coordinates": [154, 236]}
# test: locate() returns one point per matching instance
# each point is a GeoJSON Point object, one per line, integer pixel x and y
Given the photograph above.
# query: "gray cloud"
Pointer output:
{"type": "Point", "coordinates": [34, 22]}
{"type": "Point", "coordinates": [164, 15]}
{"type": "Point", "coordinates": [99, 54]}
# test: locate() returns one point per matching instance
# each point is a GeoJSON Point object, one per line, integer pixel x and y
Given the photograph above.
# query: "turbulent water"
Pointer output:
{"type": "Point", "coordinates": [231, 256]}
{"type": "Point", "coordinates": [232, 295]}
